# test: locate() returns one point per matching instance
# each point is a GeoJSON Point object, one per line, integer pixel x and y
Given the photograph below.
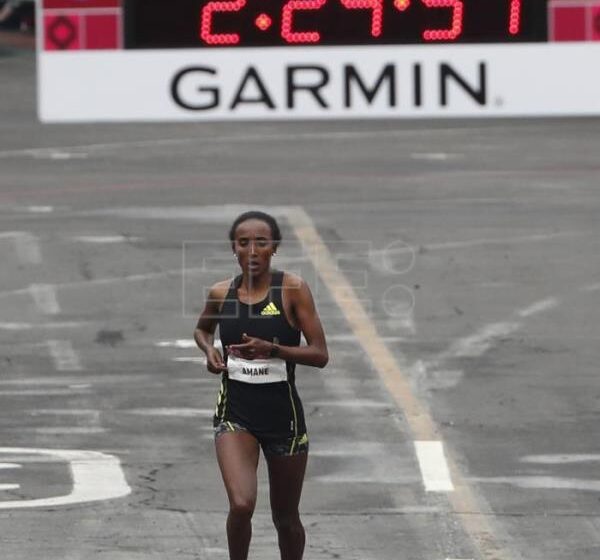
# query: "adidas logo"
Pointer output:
{"type": "Point", "coordinates": [270, 309]}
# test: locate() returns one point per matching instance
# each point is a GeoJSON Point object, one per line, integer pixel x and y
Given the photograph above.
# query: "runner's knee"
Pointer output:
{"type": "Point", "coordinates": [241, 508]}
{"type": "Point", "coordinates": [286, 521]}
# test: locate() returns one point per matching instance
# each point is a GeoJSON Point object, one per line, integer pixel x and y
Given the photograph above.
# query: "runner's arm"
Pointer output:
{"type": "Point", "coordinates": [315, 352]}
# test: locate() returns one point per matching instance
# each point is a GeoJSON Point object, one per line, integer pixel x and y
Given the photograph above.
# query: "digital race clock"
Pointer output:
{"type": "Point", "coordinates": [259, 23]}
{"type": "Point", "coordinates": [183, 60]}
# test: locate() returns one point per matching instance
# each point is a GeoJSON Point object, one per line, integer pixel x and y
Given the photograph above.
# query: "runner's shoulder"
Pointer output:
{"type": "Point", "coordinates": [293, 284]}
{"type": "Point", "coordinates": [219, 290]}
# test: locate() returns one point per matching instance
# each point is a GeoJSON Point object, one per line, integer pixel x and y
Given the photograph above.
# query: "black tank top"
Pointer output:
{"type": "Point", "coordinates": [259, 394]}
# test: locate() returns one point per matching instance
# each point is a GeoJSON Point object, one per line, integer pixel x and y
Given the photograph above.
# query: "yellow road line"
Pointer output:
{"type": "Point", "coordinates": [463, 500]}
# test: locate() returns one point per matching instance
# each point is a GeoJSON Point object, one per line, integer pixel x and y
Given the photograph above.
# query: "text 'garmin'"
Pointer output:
{"type": "Point", "coordinates": [198, 88]}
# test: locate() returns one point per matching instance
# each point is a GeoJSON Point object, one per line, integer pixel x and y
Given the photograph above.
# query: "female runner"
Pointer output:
{"type": "Point", "coordinates": [261, 314]}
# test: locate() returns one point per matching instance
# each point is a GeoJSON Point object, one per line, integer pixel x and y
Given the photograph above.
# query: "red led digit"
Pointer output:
{"type": "Point", "coordinates": [457, 21]}
{"type": "Point", "coordinates": [206, 22]}
{"type": "Point", "coordinates": [514, 19]}
{"type": "Point", "coordinates": [287, 21]}
{"type": "Point", "coordinates": [375, 5]}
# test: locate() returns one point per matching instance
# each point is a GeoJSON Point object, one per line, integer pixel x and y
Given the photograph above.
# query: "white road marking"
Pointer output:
{"type": "Point", "coordinates": [390, 368]}
{"type": "Point", "coordinates": [370, 476]}
{"type": "Point", "coordinates": [562, 458]}
{"type": "Point", "coordinates": [438, 378]}
{"type": "Point", "coordinates": [44, 296]}
{"type": "Point", "coordinates": [337, 383]}
{"type": "Point", "coordinates": [64, 356]}
{"type": "Point", "coordinates": [166, 412]}
{"type": "Point", "coordinates": [543, 482]}
{"type": "Point", "coordinates": [191, 359]}
{"type": "Point", "coordinates": [217, 550]}
{"type": "Point", "coordinates": [432, 374]}
{"type": "Point", "coordinates": [205, 428]}
{"type": "Point", "coordinates": [353, 403]}
{"type": "Point", "coordinates": [66, 380]}
{"type": "Point", "coordinates": [367, 462]}
{"type": "Point", "coordinates": [179, 343]}
{"type": "Point", "coordinates": [436, 156]}
{"type": "Point", "coordinates": [16, 326]}
{"type": "Point", "coordinates": [207, 378]}
{"type": "Point", "coordinates": [433, 465]}
{"type": "Point", "coordinates": [28, 209]}
{"type": "Point", "coordinates": [26, 244]}
{"type": "Point", "coordinates": [60, 155]}
{"type": "Point", "coordinates": [479, 343]}
{"type": "Point", "coordinates": [96, 477]}
{"type": "Point", "coordinates": [36, 381]}
{"type": "Point", "coordinates": [338, 448]}
{"type": "Point", "coordinates": [10, 466]}
{"type": "Point", "coordinates": [501, 240]}
{"type": "Point", "coordinates": [405, 323]}
{"type": "Point", "coordinates": [190, 213]}
{"type": "Point", "coordinates": [105, 239]}
{"type": "Point", "coordinates": [62, 430]}
{"type": "Point", "coordinates": [210, 214]}
{"type": "Point", "coordinates": [108, 281]}
{"type": "Point", "coordinates": [538, 307]}
{"type": "Point", "coordinates": [89, 421]}
{"type": "Point", "coordinates": [65, 412]}
{"type": "Point", "coordinates": [9, 487]}
{"type": "Point", "coordinates": [351, 338]}
{"type": "Point", "coordinates": [417, 417]}
{"type": "Point", "coordinates": [40, 209]}
{"type": "Point", "coordinates": [42, 392]}
{"type": "Point", "coordinates": [591, 288]}
{"type": "Point", "coordinates": [37, 152]}
{"type": "Point", "coordinates": [51, 325]}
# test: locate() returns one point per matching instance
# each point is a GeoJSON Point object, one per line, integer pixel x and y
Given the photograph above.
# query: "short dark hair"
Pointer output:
{"type": "Point", "coordinates": [257, 215]}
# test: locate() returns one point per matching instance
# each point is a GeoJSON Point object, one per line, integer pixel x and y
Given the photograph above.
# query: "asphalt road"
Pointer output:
{"type": "Point", "coordinates": [472, 249]}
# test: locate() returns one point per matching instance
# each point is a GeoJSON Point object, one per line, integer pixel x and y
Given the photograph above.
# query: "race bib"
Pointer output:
{"type": "Point", "coordinates": [269, 370]}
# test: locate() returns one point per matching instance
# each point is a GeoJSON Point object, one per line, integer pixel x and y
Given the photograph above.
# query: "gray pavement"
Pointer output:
{"type": "Point", "coordinates": [473, 246]}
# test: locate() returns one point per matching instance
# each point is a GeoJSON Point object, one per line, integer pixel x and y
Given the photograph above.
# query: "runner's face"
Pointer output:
{"type": "Point", "coordinates": [254, 246]}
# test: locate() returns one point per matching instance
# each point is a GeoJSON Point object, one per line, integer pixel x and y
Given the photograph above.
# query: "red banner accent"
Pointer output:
{"type": "Point", "coordinates": [596, 23]}
{"type": "Point", "coordinates": [101, 32]}
{"type": "Point", "coordinates": [83, 31]}
{"type": "Point", "coordinates": [576, 20]}
{"type": "Point", "coordinates": [62, 33]}
{"type": "Point", "coordinates": [569, 23]}
{"type": "Point", "coordinates": [80, 4]}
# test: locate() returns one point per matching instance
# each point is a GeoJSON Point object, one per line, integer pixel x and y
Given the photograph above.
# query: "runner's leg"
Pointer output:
{"type": "Point", "coordinates": [237, 453]}
{"type": "Point", "coordinates": [286, 475]}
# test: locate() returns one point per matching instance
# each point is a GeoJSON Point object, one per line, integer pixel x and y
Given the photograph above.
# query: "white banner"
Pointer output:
{"type": "Point", "coordinates": [320, 83]}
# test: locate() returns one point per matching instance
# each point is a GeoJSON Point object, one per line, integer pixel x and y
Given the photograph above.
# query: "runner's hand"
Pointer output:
{"type": "Point", "coordinates": [214, 361]}
{"type": "Point", "coordinates": [251, 348]}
